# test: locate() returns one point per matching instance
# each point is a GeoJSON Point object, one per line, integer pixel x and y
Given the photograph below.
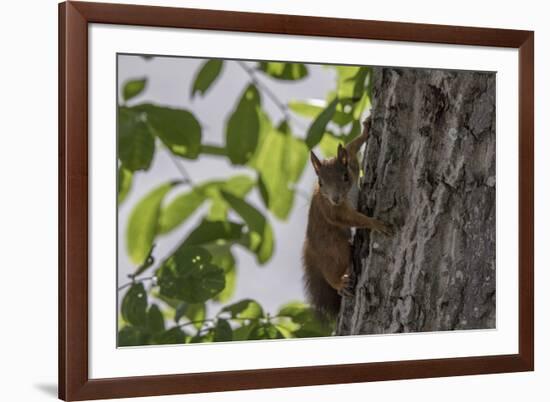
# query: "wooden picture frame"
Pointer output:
{"type": "Point", "coordinates": [74, 381]}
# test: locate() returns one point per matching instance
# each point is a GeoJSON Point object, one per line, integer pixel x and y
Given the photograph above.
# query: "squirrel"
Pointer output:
{"type": "Point", "coordinates": [327, 254]}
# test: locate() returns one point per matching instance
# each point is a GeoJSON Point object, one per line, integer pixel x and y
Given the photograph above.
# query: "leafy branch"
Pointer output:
{"type": "Point", "coordinates": [133, 282]}
{"type": "Point", "coordinates": [265, 89]}
{"type": "Point", "coordinates": [202, 267]}
{"type": "Point", "coordinates": [181, 169]}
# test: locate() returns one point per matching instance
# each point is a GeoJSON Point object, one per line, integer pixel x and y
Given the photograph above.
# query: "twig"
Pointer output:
{"type": "Point", "coordinates": [134, 281]}
{"type": "Point", "coordinates": [195, 322]}
{"type": "Point", "coordinates": [181, 169]}
{"type": "Point", "coordinates": [271, 95]}
{"type": "Point", "coordinates": [265, 88]}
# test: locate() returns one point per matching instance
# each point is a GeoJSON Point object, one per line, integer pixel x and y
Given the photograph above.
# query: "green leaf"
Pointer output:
{"type": "Point", "coordinates": [313, 107]}
{"type": "Point", "coordinates": [243, 127]}
{"type": "Point", "coordinates": [218, 208]}
{"type": "Point", "coordinates": [369, 85]}
{"type": "Point", "coordinates": [280, 160]}
{"type": "Point", "coordinates": [288, 324]}
{"type": "Point", "coordinates": [359, 84]}
{"type": "Point", "coordinates": [223, 331]}
{"type": "Point", "coordinates": [133, 88]}
{"type": "Point", "coordinates": [181, 308]}
{"type": "Point", "coordinates": [131, 336]}
{"type": "Point", "coordinates": [190, 276]}
{"type": "Point", "coordinates": [155, 319]}
{"type": "Point", "coordinates": [143, 223]}
{"type": "Point", "coordinates": [246, 309]}
{"type": "Point", "coordinates": [149, 261]}
{"type": "Point", "coordinates": [230, 285]}
{"type": "Point", "coordinates": [265, 331]}
{"type": "Point", "coordinates": [298, 311]}
{"type": "Point", "coordinates": [259, 229]}
{"type": "Point", "coordinates": [353, 92]}
{"type": "Point", "coordinates": [179, 209]}
{"type": "Point", "coordinates": [360, 106]}
{"type": "Point", "coordinates": [178, 129]}
{"type": "Point", "coordinates": [219, 232]}
{"type": "Point", "coordinates": [134, 306]}
{"type": "Point", "coordinates": [265, 128]}
{"type": "Point", "coordinates": [223, 258]}
{"type": "Point", "coordinates": [319, 125]}
{"type": "Point", "coordinates": [296, 158]}
{"type": "Point", "coordinates": [172, 336]}
{"type": "Point", "coordinates": [136, 145]}
{"type": "Point", "coordinates": [124, 183]}
{"type": "Point", "coordinates": [202, 283]}
{"type": "Point", "coordinates": [284, 71]}
{"type": "Point", "coordinates": [346, 80]}
{"type": "Point", "coordinates": [184, 205]}
{"type": "Point", "coordinates": [237, 185]}
{"type": "Point", "coordinates": [194, 313]}
{"type": "Point", "coordinates": [355, 130]}
{"type": "Point", "coordinates": [210, 234]}
{"type": "Point", "coordinates": [173, 303]}
{"type": "Point", "coordinates": [340, 117]}
{"type": "Point", "coordinates": [266, 194]}
{"type": "Point", "coordinates": [203, 337]}
{"type": "Point", "coordinates": [207, 74]}
{"type": "Point", "coordinates": [313, 329]}
{"type": "Point", "coordinates": [329, 145]}
{"type": "Point", "coordinates": [243, 332]}
{"type": "Point", "coordinates": [302, 314]}
{"type": "Point", "coordinates": [309, 108]}
{"type": "Point", "coordinates": [286, 328]}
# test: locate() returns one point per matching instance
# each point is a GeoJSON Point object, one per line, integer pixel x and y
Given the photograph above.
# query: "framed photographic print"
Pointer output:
{"type": "Point", "coordinates": [259, 200]}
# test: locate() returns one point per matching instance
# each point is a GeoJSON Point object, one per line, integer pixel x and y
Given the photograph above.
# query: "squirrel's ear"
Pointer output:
{"type": "Point", "coordinates": [342, 154]}
{"type": "Point", "coordinates": [315, 162]}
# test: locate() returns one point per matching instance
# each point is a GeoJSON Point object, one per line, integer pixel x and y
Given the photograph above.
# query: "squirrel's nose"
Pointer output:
{"type": "Point", "coordinates": [335, 200]}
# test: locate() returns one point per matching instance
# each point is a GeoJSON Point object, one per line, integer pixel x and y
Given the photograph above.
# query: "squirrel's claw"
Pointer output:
{"type": "Point", "coordinates": [347, 288]}
{"type": "Point", "coordinates": [384, 228]}
{"type": "Point", "coordinates": [387, 230]}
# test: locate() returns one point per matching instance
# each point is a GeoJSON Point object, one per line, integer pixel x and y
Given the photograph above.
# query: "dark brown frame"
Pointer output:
{"type": "Point", "coordinates": [74, 17]}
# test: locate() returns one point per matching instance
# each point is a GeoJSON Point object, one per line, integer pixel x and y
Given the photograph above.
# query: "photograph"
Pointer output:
{"type": "Point", "coordinates": [272, 200]}
{"type": "Point", "coordinates": [266, 201]}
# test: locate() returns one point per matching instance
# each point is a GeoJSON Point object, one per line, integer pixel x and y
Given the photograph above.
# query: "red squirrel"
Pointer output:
{"type": "Point", "coordinates": [327, 255]}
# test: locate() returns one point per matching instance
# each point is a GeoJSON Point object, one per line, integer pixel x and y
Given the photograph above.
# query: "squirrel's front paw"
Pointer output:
{"type": "Point", "coordinates": [367, 123]}
{"type": "Point", "coordinates": [383, 227]}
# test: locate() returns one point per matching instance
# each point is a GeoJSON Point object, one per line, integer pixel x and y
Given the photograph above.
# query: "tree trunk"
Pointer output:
{"type": "Point", "coordinates": [429, 170]}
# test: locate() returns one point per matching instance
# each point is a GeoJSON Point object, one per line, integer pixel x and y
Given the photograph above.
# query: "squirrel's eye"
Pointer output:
{"type": "Point", "coordinates": [320, 183]}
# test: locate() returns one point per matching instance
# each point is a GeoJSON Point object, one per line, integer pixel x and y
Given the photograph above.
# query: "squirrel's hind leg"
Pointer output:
{"type": "Point", "coordinates": [348, 279]}
{"type": "Point", "coordinates": [339, 279]}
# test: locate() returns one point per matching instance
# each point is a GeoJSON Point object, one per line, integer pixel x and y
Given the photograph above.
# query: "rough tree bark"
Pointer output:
{"type": "Point", "coordinates": [429, 170]}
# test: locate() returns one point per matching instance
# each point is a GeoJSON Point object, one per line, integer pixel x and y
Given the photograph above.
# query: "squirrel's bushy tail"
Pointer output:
{"type": "Point", "coordinates": [324, 299]}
